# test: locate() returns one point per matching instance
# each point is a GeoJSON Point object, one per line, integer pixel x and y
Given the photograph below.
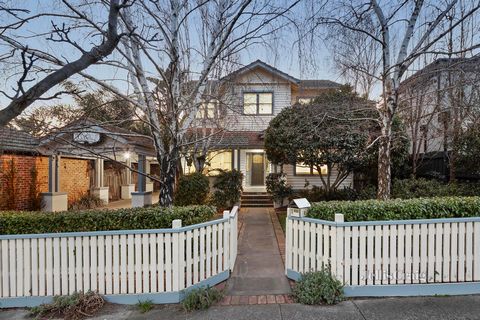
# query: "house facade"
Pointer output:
{"type": "Point", "coordinates": [252, 96]}
{"type": "Point", "coordinates": [437, 102]}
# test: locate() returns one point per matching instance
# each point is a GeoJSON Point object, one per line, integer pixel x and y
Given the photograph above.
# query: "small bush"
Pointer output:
{"type": "Point", "coordinates": [319, 287]}
{"type": "Point", "coordinates": [201, 298]}
{"type": "Point", "coordinates": [73, 307]}
{"type": "Point", "coordinates": [192, 189]}
{"type": "Point", "coordinates": [85, 202]}
{"type": "Point", "coordinates": [145, 306]}
{"type": "Point", "coordinates": [317, 194]}
{"type": "Point", "coordinates": [397, 209]}
{"type": "Point", "coordinates": [26, 222]}
{"type": "Point", "coordinates": [228, 188]}
{"type": "Point", "coordinates": [418, 188]}
{"type": "Point", "coordinates": [277, 186]}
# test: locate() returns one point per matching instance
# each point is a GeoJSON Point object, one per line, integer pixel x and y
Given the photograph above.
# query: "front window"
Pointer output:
{"type": "Point", "coordinates": [218, 160]}
{"type": "Point", "coordinates": [303, 169]}
{"type": "Point", "coordinates": [258, 103]}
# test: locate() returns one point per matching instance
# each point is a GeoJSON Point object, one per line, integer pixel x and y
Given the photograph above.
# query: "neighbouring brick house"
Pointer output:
{"type": "Point", "coordinates": [24, 172]}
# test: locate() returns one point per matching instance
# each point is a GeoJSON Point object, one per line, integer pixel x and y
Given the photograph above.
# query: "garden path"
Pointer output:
{"type": "Point", "coordinates": [259, 268]}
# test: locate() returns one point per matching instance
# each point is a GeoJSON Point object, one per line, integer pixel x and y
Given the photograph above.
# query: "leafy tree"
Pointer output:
{"type": "Point", "coordinates": [333, 131]}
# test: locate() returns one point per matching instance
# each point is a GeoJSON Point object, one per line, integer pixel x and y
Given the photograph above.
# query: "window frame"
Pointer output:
{"type": "Point", "coordinates": [257, 104]}
{"type": "Point", "coordinates": [311, 174]}
{"type": "Point", "coordinates": [204, 110]}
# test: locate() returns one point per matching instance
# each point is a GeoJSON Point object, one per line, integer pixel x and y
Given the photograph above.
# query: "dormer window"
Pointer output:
{"type": "Point", "coordinates": [258, 103]}
{"type": "Point", "coordinates": [207, 110]}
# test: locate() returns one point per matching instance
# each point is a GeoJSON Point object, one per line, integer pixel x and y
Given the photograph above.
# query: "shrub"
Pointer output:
{"type": "Point", "coordinates": [75, 306]}
{"type": "Point", "coordinates": [397, 209]}
{"type": "Point", "coordinates": [319, 287]}
{"type": "Point", "coordinates": [277, 186]}
{"type": "Point", "coordinates": [316, 194]}
{"type": "Point", "coordinates": [228, 188]}
{"type": "Point", "coordinates": [192, 189]}
{"type": "Point", "coordinates": [417, 188]}
{"type": "Point", "coordinates": [201, 298]}
{"type": "Point", "coordinates": [27, 222]}
{"type": "Point", "coordinates": [145, 306]}
{"type": "Point", "coordinates": [86, 201]}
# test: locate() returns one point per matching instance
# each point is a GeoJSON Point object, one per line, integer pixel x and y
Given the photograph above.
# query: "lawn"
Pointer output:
{"type": "Point", "coordinates": [282, 218]}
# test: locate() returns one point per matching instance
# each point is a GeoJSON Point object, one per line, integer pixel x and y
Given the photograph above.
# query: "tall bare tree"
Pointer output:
{"type": "Point", "coordinates": [403, 31]}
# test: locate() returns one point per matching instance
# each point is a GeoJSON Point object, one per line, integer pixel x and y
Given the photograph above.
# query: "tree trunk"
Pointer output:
{"type": "Point", "coordinates": [168, 170]}
{"type": "Point", "coordinates": [199, 162]}
{"type": "Point", "coordinates": [384, 160]}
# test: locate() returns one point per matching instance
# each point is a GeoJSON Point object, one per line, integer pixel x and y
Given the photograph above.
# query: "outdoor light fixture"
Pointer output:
{"type": "Point", "coordinates": [126, 155]}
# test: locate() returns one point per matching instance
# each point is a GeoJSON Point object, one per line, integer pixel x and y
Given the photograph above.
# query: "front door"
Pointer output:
{"type": "Point", "coordinates": [258, 169]}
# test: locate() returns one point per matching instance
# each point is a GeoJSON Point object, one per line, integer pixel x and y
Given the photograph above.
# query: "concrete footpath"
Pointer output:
{"type": "Point", "coordinates": [463, 307]}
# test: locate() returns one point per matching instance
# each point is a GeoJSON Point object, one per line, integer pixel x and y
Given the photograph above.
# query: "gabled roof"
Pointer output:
{"type": "Point", "coordinates": [12, 140]}
{"type": "Point", "coordinates": [314, 84]}
{"type": "Point", "coordinates": [262, 65]}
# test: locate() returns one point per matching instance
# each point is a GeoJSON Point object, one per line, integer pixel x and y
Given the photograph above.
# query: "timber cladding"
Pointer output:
{"type": "Point", "coordinates": [18, 184]}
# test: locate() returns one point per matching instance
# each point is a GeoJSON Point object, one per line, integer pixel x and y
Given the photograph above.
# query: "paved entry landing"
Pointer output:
{"type": "Point", "coordinates": [259, 269]}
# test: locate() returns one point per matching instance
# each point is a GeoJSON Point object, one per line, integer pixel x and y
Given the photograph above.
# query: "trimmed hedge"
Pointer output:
{"type": "Point", "coordinates": [27, 222]}
{"type": "Point", "coordinates": [193, 189]}
{"type": "Point", "coordinates": [397, 209]}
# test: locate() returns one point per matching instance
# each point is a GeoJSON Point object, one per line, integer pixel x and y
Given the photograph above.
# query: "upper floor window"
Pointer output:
{"type": "Point", "coordinates": [207, 110]}
{"type": "Point", "coordinates": [258, 103]}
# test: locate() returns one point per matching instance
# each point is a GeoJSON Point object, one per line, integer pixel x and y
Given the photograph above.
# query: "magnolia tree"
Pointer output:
{"type": "Point", "coordinates": [332, 133]}
{"type": "Point", "coordinates": [400, 33]}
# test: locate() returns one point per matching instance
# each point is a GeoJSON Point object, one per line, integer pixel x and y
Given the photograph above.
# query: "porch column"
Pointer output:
{"type": "Point", "coordinates": [141, 198]}
{"type": "Point", "coordinates": [128, 187]}
{"type": "Point", "coordinates": [54, 200]}
{"type": "Point", "coordinates": [99, 190]}
{"type": "Point", "coordinates": [149, 182]}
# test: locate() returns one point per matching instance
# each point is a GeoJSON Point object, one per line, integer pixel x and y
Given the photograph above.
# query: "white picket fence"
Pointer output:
{"type": "Point", "coordinates": [386, 254]}
{"type": "Point", "coordinates": [157, 263]}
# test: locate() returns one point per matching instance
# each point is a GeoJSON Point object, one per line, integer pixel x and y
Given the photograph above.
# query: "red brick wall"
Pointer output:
{"type": "Point", "coordinates": [74, 178]}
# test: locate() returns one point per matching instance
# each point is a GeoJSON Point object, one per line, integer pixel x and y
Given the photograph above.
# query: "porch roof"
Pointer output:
{"type": "Point", "coordinates": [238, 139]}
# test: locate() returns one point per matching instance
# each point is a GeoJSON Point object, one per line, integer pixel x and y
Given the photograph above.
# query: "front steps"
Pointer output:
{"type": "Point", "coordinates": [256, 199]}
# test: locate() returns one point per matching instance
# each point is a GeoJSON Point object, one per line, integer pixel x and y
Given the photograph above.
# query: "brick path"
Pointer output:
{"type": "Point", "coordinates": [259, 275]}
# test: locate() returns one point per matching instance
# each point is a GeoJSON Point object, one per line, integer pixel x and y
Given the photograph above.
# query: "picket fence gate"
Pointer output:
{"type": "Point", "coordinates": [388, 258]}
{"type": "Point", "coordinates": [126, 266]}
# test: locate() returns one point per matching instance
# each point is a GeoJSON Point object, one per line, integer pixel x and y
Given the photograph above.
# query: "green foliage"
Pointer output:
{"type": "Point", "coordinates": [277, 186]}
{"type": "Point", "coordinates": [316, 194]}
{"type": "Point", "coordinates": [27, 222]}
{"type": "Point", "coordinates": [72, 307]}
{"type": "Point", "coordinates": [468, 149]}
{"type": "Point", "coordinates": [331, 131]}
{"type": "Point", "coordinates": [397, 209]}
{"type": "Point", "coordinates": [145, 306]}
{"type": "Point", "coordinates": [86, 201]}
{"type": "Point", "coordinates": [192, 189]}
{"type": "Point", "coordinates": [228, 188]}
{"type": "Point", "coordinates": [319, 287]}
{"type": "Point", "coordinates": [201, 298]}
{"type": "Point", "coordinates": [424, 188]}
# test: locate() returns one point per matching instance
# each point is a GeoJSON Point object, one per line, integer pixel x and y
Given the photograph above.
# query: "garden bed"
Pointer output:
{"type": "Point", "coordinates": [32, 222]}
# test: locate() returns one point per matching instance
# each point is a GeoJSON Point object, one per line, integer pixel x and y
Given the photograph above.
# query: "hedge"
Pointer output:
{"type": "Point", "coordinates": [397, 209]}
{"type": "Point", "coordinates": [27, 222]}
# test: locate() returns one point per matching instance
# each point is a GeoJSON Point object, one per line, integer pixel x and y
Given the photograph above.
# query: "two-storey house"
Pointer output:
{"type": "Point", "coordinates": [252, 96]}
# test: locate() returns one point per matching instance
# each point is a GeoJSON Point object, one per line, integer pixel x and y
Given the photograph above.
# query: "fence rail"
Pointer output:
{"type": "Point", "coordinates": [124, 265]}
{"type": "Point", "coordinates": [371, 256]}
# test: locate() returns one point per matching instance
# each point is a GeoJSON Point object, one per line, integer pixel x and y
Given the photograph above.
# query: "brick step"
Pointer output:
{"type": "Point", "coordinates": [257, 205]}
{"type": "Point", "coordinates": [255, 196]}
{"type": "Point", "coordinates": [257, 201]}
{"type": "Point", "coordinates": [255, 193]}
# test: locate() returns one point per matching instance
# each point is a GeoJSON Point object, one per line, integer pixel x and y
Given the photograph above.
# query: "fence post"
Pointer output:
{"type": "Point", "coordinates": [227, 234]}
{"type": "Point", "coordinates": [288, 248]}
{"type": "Point", "coordinates": [233, 237]}
{"type": "Point", "coordinates": [177, 257]}
{"type": "Point", "coordinates": [338, 269]}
